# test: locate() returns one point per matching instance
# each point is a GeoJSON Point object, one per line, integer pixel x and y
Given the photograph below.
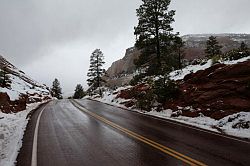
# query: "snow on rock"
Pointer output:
{"type": "Point", "coordinates": [110, 97]}
{"type": "Point", "coordinates": [236, 61]}
{"type": "Point", "coordinates": [236, 124]}
{"type": "Point", "coordinates": [180, 74]}
{"type": "Point", "coordinates": [12, 127]}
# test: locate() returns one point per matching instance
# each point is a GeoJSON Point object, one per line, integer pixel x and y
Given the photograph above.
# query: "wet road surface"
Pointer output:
{"type": "Point", "coordinates": [91, 133]}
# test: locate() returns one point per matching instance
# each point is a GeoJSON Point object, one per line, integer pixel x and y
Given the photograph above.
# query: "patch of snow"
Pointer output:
{"type": "Point", "coordinates": [236, 61]}
{"type": "Point", "coordinates": [12, 127]}
{"type": "Point", "coordinates": [180, 74]}
{"type": "Point", "coordinates": [201, 121]}
{"type": "Point", "coordinates": [237, 124]}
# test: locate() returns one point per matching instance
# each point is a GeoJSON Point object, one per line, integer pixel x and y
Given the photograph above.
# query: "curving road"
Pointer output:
{"type": "Point", "coordinates": [85, 132]}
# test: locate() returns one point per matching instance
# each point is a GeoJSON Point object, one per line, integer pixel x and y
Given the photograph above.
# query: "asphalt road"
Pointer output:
{"type": "Point", "coordinates": [91, 133]}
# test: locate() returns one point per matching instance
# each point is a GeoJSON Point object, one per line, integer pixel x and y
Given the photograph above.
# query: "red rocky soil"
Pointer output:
{"type": "Point", "coordinates": [216, 92]}
{"type": "Point", "coordinates": [8, 106]}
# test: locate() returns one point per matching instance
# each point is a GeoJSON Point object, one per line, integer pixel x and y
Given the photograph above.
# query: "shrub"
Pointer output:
{"type": "Point", "coordinates": [146, 100]}
{"type": "Point", "coordinates": [236, 54]}
{"type": "Point", "coordinates": [216, 59]}
{"type": "Point", "coordinates": [166, 89]}
{"type": "Point", "coordinates": [136, 79]}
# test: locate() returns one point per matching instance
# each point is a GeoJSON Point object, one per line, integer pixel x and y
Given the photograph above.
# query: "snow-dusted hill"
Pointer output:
{"type": "Point", "coordinates": [22, 89]}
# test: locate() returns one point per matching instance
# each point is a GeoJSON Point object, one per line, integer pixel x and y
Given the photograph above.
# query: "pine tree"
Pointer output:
{"type": "Point", "coordinates": [154, 34]}
{"type": "Point", "coordinates": [243, 47]}
{"type": "Point", "coordinates": [212, 47]}
{"type": "Point", "coordinates": [4, 78]}
{"type": "Point", "coordinates": [56, 90]}
{"type": "Point", "coordinates": [79, 92]}
{"type": "Point", "coordinates": [96, 70]}
{"type": "Point", "coordinates": [179, 50]}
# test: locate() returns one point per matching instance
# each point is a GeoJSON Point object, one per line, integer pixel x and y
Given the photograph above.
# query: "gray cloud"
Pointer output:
{"type": "Point", "coordinates": [54, 38]}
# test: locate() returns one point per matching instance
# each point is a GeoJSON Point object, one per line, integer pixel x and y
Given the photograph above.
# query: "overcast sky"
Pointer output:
{"type": "Point", "coordinates": [50, 39]}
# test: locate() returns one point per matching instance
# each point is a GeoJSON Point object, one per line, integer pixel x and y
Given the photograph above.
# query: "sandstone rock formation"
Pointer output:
{"type": "Point", "coordinates": [216, 92]}
{"type": "Point", "coordinates": [124, 65]}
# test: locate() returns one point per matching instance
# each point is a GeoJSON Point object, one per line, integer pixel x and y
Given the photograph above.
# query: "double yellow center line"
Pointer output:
{"type": "Point", "coordinates": [147, 141]}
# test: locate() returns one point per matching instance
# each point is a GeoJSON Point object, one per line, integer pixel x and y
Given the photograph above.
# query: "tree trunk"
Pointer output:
{"type": "Point", "coordinates": [158, 52]}
{"type": "Point", "coordinates": [179, 51]}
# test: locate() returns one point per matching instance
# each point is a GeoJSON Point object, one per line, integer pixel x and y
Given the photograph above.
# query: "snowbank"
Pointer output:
{"type": "Point", "coordinates": [231, 125]}
{"type": "Point", "coordinates": [12, 127]}
{"type": "Point", "coordinates": [180, 74]}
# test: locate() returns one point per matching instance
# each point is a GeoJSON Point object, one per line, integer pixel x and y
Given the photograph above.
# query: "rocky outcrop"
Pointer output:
{"type": "Point", "coordinates": [124, 65]}
{"type": "Point", "coordinates": [121, 72]}
{"type": "Point", "coordinates": [8, 106]}
{"type": "Point", "coordinates": [216, 92]}
{"type": "Point", "coordinates": [118, 81]}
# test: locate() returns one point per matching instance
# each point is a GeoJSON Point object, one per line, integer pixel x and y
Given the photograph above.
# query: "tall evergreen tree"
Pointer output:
{"type": "Point", "coordinates": [212, 47]}
{"type": "Point", "coordinates": [79, 92]}
{"type": "Point", "coordinates": [154, 34]}
{"type": "Point", "coordinates": [56, 90]}
{"type": "Point", "coordinates": [96, 70]}
{"type": "Point", "coordinates": [4, 78]}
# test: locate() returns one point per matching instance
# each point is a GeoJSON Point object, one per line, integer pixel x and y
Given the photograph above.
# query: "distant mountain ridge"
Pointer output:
{"type": "Point", "coordinates": [196, 43]}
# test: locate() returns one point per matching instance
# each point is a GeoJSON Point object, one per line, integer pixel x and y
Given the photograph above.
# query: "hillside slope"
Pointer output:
{"type": "Point", "coordinates": [214, 97]}
{"type": "Point", "coordinates": [22, 91]}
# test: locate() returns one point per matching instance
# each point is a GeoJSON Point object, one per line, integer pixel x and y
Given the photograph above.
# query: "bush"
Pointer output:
{"type": "Point", "coordinates": [162, 90]}
{"type": "Point", "coordinates": [236, 54]}
{"type": "Point", "coordinates": [146, 100]}
{"type": "Point", "coordinates": [136, 79]}
{"type": "Point", "coordinates": [166, 90]}
{"type": "Point", "coordinates": [216, 59]}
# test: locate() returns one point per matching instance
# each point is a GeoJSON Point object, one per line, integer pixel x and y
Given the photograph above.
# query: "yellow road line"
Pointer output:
{"type": "Point", "coordinates": [154, 144]}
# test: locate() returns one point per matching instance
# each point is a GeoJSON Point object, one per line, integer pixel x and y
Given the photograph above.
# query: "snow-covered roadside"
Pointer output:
{"type": "Point", "coordinates": [109, 97]}
{"type": "Point", "coordinates": [229, 125]}
{"type": "Point", "coordinates": [12, 127]}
